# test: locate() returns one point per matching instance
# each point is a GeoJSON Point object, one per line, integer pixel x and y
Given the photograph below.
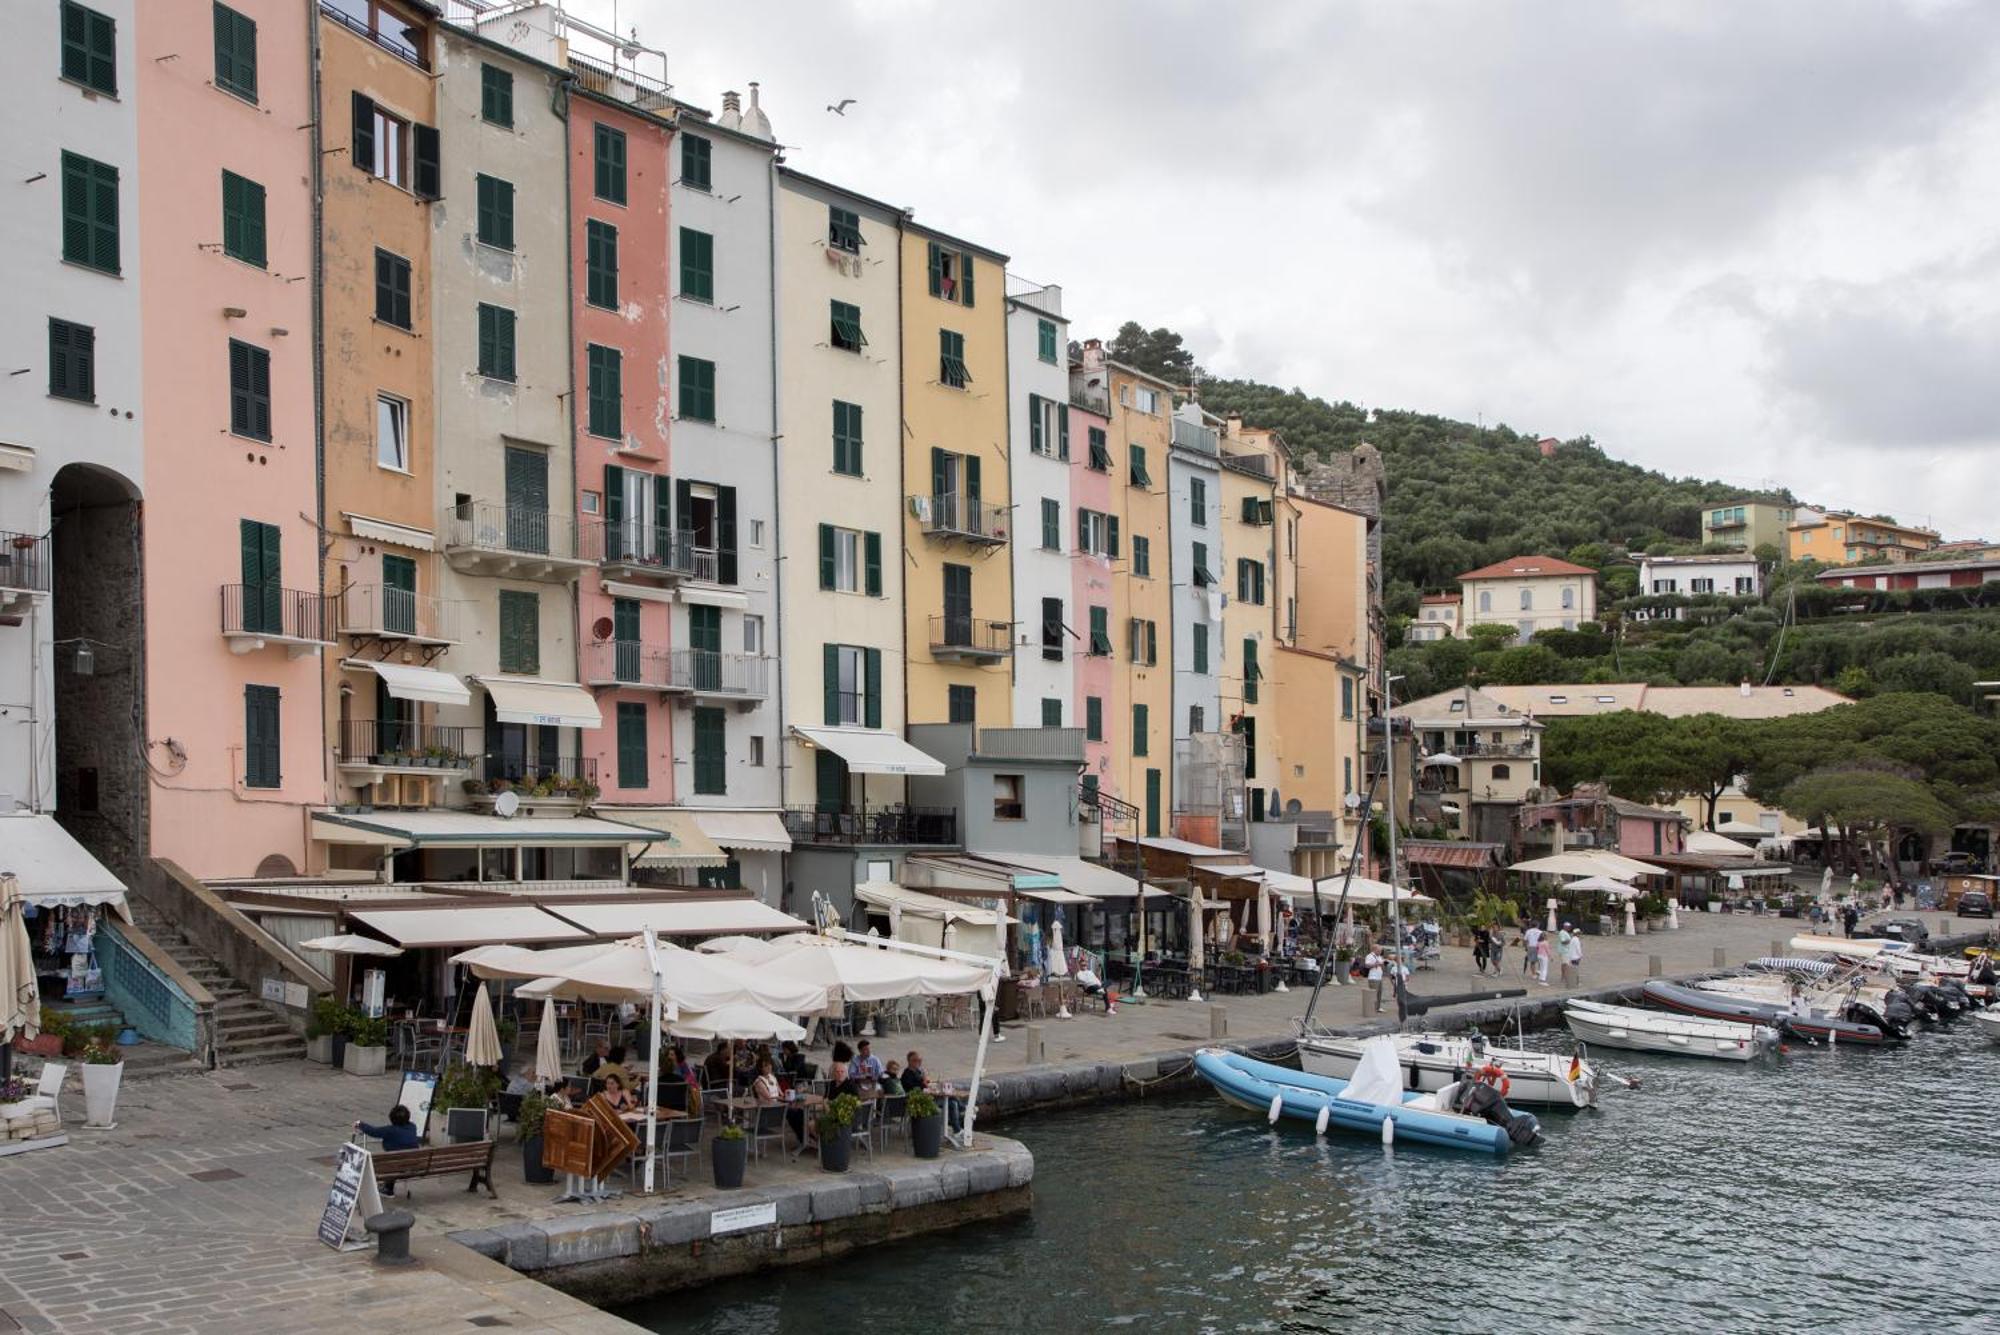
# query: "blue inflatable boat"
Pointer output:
{"type": "Point", "coordinates": [1302, 1097]}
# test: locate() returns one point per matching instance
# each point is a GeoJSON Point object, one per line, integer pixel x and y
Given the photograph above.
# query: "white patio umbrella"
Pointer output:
{"type": "Point", "coordinates": [1589, 862]}
{"type": "Point", "coordinates": [728, 945]}
{"type": "Point", "coordinates": [346, 943]}
{"type": "Point", "coordinates": [735, 1021]}
{"type": "Point", "coordinates": [20, 998]}
{"type": "Point", "coordinates": [1603, 885]}
{"type": "Point", "coordinates": [548, 1049]}
{"type": "Point", "coordinates": [845, 972]}
{"type": "Point", "coordinates": [1441, 758]}
{"type": "Point", "coordinates": [482, 1044]}
{"type": "Point", "coordinates": [619, 971]}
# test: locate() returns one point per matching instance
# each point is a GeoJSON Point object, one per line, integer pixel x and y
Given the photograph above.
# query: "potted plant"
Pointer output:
{"type": "Point", "coordinates": [833, 1123]}
{"type": "Point", "coordinates": [587, 792]}
{"type": "Point", "coordinates": [462, 1086]}
{"type": "Point", "coordinates": [367, 1046]}
{"type": "Point", "coordinates": [534, 1107]}
{"type": "Point", "coordinates": [48, 1042]}
{"type": "Point", "coordinates": [326, 1027]}
{"type": "Point", "coordinates": [103, 1068]}
{"type": "Point", "coordinates": [472, 787]}
{"type": "Point", "coordinates": [926, 1124]}
{"type": "Point", "coordinates": [731, 1152]}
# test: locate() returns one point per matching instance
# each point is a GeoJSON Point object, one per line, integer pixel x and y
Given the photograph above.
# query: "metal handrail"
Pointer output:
{"type": "Point", "coordinates": [267, 609]}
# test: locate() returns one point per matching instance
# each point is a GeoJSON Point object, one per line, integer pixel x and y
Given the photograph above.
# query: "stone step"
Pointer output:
{"type": "Point", "coordinates": [290, 1049]}
{"type": "Point", "coordinates": [234, 1027]}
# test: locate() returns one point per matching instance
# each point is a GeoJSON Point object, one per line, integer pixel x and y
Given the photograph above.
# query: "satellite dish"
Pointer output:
{"type": "Point", "coordinates": [507, 803]}
{"type": "Point", "coordinates": [601, 628]}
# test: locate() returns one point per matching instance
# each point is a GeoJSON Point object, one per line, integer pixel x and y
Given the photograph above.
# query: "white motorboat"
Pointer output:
{"type": "Point", "coordinates": [1989, 1022]}
{"type": "Point", "coordinates": [1432, 1061]}
{"type": "Point", "coordinates": [1661, 1031]}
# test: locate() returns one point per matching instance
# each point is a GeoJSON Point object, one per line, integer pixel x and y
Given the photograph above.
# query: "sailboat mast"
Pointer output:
{"type": "Point", "coordinates": [1395, 890]}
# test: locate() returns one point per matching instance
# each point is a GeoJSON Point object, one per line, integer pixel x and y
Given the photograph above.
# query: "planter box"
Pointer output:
{"type": "Point", "coordinates": [834, 1150]}
{"type": "Point", "coordinates": [532, 1169]}
{"type": "Point", "coordinates": [358, 1060]}
{"type": "Point", "coordinates": [42, 1045]}
{"type": "Point", "coordinates": [320, 1049]}
{"type": "Point", "coordinates": [100, 1093]}
{"type": "Point", "coordinates": [927, 1135]}
{"type": "Point", "coordinates": [729, 1157]}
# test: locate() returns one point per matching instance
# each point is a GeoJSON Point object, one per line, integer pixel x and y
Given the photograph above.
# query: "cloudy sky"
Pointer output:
{"type": "Point", "coordinates": [1759, 242]}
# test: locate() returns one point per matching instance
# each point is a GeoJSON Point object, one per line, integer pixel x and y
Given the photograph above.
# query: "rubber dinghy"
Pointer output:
{"type": "Point", "coordinates": [1852, 1027]}
{"type": "Point", "coordinates": [1369, 1099]}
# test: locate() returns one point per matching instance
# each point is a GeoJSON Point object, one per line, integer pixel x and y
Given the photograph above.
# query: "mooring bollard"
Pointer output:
{"type": "Point", "coordinates": [392, 1236]}
{"type": "Point", "coordinates": [1721, 959]}
{"type": "Point", "coordinates": [1218, 1021]}
{"type": "Point", "coordinates": [1033, 1046]}
{"type": "Point", "coordinates": [1777, 949]}
{"type": "Point", "coordinates": [1653, 969]}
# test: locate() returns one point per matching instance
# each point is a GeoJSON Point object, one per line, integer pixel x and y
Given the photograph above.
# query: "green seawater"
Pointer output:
{"type": "Point", "coordinates": [1821, 1191]}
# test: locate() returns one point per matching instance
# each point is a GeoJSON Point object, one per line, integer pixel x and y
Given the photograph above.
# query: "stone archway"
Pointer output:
{"type": "Point", "coordinates": [99, 666]}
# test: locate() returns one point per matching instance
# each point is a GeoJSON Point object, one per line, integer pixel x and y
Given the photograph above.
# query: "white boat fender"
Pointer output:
{"type": "Point", "coordinates": [1319, 1122]}
{"type": "Point", "coordinates": [1388, 1130]}
{"type": "Point", "coordinates": [1277, 1107]}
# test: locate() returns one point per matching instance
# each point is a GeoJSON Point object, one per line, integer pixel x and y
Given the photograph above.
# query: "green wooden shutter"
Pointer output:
{"type": "Point", "coordinates": [1139, 721]}
{"type": "Point", "coordinates": [610, 164]}
{"type": "Point", "coordinates": [631, 744]}
{"type": "Point", "coordinates": [361, 150]}
{"type": "Point", "coordinates": [426, 165]}
{"type": "Point", "coordinates": [936, 256]}
{"type": "Point", "coordinates": [725, 535]}
{"type": "Point", "coordinates": [616, 541]}
{"type": "Point", "coordinates": [520, 632]}
{"type": "Point", "coordinates": [1152, 804]}
{"type": "Point", "coordinates": [496, 95]}
{"type": "Point", "coordinates": [242, 219]}
{"type": "Point", "coordinates": [1051, 713]}
{"type": "Point", "coordinates": [697, 265]}
{"type": "Point", "coordinates": [399, 593]}
{"type": "Point", "coordinates": [90, 48]}
{"type": "Point", "coordinates": [1082, 530]}
{"type": "Point", "coordinates": [695, 162]}
{"type": "Point", "coordinates": [601, 264]}
{"type": "Point", "coordinates": [828, 564]}
{"type": "Point", "coordinates": [90, 212]}
{"type": "Point", "coordinates": [1093, 718]}
{"type": "Point", "coordinates": [939, 484]}
{"type": "Point", "coordinates": [970, 467]}
{"type": "Point", "coordinates": [235, 52]}
{"type": "Point", "coordinates": [1051, 524]}
{"type": "Point", "coordinates": [1035, 423]}
{"type": "Point", "coordinates": [1111, 536]}
{"type": "Point", "coordinates": [830, 681]}
{"type": "Point", "coordinates": [965, 278]}
{"type": "Point", "coordinates": [496, 212]}
{"type": "Point", "coordinates": [871, 548]}
{"type": "Point", "coordinates": [1152, 642]}
{"type": "Point", "coordinates": [663, 519]}
{"type": "Point", "coordinates": [871, 664]}
{"type": "Point", "coordinates": [261, 738]}
{"type": "Point", "coordinates": [606, 375]}
{"type": "Point", "coordinates": [1062, 431]}
{"type": "Point", "coordinates": [711, 761]}
{"type": "Point", "coordinates": [72, 361]}
{"type": "Point", "coordinates": [1250, 672]}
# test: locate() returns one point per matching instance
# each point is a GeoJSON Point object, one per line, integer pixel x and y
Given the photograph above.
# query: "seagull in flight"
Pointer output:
{"type": "Point", "coordinates": [841, 108]}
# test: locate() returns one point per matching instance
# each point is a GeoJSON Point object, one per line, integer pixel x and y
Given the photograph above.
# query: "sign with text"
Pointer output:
{"type": "Point", "coordinates": [418, 1089]}
{"type": "Point", "coordinates": [353, 1191]}
{"type": "Point", "coordinates": [740, 1217]}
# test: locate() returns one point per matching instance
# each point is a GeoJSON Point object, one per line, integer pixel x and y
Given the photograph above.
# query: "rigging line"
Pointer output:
{"type": "Point", "coordinates": [1366, 810]}
{"type": "Point", "coordinates": [1777, 648]}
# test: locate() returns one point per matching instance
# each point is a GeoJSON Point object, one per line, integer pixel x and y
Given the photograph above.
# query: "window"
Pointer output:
{"type": "Point", "coordinates": [695, 152]}
{"type": "Point", "coordinates": [1045, 340]}
{"type": "Point", "coordinates": [249, 390]}
{"type": "Point", "coordinates": [261, 731]}
{"type": "Point", "coordinates": [697, 398]}
{"type": "Point", "coordinates": [496, 342]}
{"type": "Point", "coordinates": [1051, 713]}
{"type": "Point", "coordinates": [262, 597]}
{"type": "Point", "coordinates": [1146, 400]}
{"type": "Point", "coordinates": [1251, 672]}
{"type": "Point", "coordinates": [1197, 719]}
{"type": "Point", "coordinates": [1503, 772]}
{"type": "Point", "coordinates": [631, 744]}
{"type": "Point", "coordinates": [520, 632]}
{"type": "Point", "coordinates": [1144, 647]}
{"type": "Point", "coordinates": [961, 704]}
{"type": "Point", "coordinates": [1198, 502]}
{"type": "Point", "coordinates": [1139, 730]}
{"type": "Point", "coordinates": [495, 216]}
{"type": "Point", "coordinates": [392, 433]}
{"type": "Point", "coordinates": [1053, 629]}
{"type": "Point", "coordinates": [1257, 511]}
{"type": "Point", "coordinates": [753, 635]}
{"type": "Point", "coordinates": [1100, 450]}
{"type": "Point", "coordinates": [1153, 803]}
{"type": "Point", "coordinates": [1524, 631]}
{"type": "Point", "coordinates": [847, 335]}
{"type": "Point", "coordinates": [1097, 534]}
{"type": "Point", "coordinates": [1048, 427]}
{"type": "Point", "coordinates": [1249, 580]}
{"type": "Point", "coordinates": [1140, 477]}
{"type": "Point", "coordinates": [951, 360]}
{"type": "Point", "coordinates": [852, 678]}
{"type": "Point", "coordinates": [496, 96]}
{"type": "Point", "coordinates": [1100, 632]}
{"type": "Point", "coordinates": [697, 265]}
{"type": "Point", "coordinates": [1051, 524]}
{"type": "Point", "coordinates": [1527, 598]}
{"type": "Point", "coordinates": [1347, 697]}
{"type": "Point", "coordinates": [90, 48]}
{"type": "Point", "coordinates": [1347, 774]}
{"type": "Point", "coordinates": [1202, 577]}
{"type": "Point", "coordinates": [392, 289]}
{"type": "Point", "coordinates": [72, 361]}
{"type": "Point", "coordinates": [850, 561]}
{"type": "Point", "coordinates": [1485, 600]}
{"type": "Point", "coordinates": [1569, 596]}
{"type": "Point", "coordinates": [90, 212]}
{"type": "Point", "coordinates": [1200, 647]}
{"type": "Point", "coordinates": [711, 761]}
{"type": "Point", "coordinates": [379, 137]}
{"type": "Point", "coordinates": [601, 264]}
{"type": "Point", "coordinates": [757, 751]}
{"type": "Point", "coordinates": [606, 375]}
{"type": "Point", "coordinates": [847, 438]}
{"type": "Point", "coordinates": [242, 219]}
{"type": "Point", "coordinates": [610, 164]}
{"type": "Point", "coordinates": [1007, 800]}
{"type": "Point", "coordinates": [1142, 556]}
{"type": "Point", "coordinates": [1745, 584]}
{"type": "Point", "coordinates": [843, 229]}
{"type": "Point", "coordinates": [950, 274]}
{"type": "Point", "coordinates": [1694, 586]}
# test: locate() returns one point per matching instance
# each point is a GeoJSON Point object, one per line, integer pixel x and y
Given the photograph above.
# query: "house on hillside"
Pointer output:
{"type": "Point", "coordinates": [1437, 619]}
{"type": "Point", "coordinates": [1529, 593]}
{"type": "Point", "coordinates": [1748, 525]}
{"type": "Point", "coordinates": [1590, 817]}
{"type": "Point", "coordinates": [1838, 537]}
{"type": "Point", "coordinates": [1476, 760]}
{"type": "Point", "coordinates": [1732, 576]}
{"type": "Point", "coordinates": [1968, 574]}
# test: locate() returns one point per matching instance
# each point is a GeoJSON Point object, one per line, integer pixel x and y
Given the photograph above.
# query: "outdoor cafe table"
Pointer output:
{"type": "Point", "coordinates": [749, 1103]}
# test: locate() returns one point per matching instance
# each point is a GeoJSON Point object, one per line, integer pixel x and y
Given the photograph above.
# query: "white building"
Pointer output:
{"type": "Point", "coordinates": [1050, 631]}
{"type": "Point", "coordinates": [1732, 576]}
{"type": "Point", "coordinates": [1437, 618]}
{"type": "Point", "coordinates": [1527, 594]}
{"type": "Point", "coordinates": [1194, 527]}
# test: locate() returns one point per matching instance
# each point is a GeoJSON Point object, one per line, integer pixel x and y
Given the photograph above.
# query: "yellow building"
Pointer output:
{"type": "Point", "coordinates": [1840, 538]}
{"type": "Point", "coordinates": [958, 518]}
{"type": "Point", "coordinates": [1746, 525]}
{"type": "Point", "coordinates": [1324, 671]}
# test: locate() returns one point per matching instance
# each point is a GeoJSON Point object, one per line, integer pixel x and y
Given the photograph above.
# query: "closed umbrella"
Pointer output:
{"type": "Point", "coordinates": [345, 943]}
{"type": "Point", "coordinates": [548, 1048]}
{"type": "Point", "coordinates": [482, 1045]}
{"type": "Point", "coordinates": [1197, 956]}
{"type": "Point", "coordinates": [1058, 964]}
{"type": "Point", "coordinates": [20, 997]}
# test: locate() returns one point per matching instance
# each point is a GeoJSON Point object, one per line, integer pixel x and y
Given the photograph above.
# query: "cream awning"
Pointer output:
{"type": "Point", "coordinates": [427, 685]}
{"type": "Point", "coordinates": [473, 925]}
{"type": "Point", "coordinates": [559, 704]}
{"type": "Point", "coordinates": [424, 828]}
{"type": "Point", "coordinates": [1590, 862]}
{"type": "Point", "coordinates": [330, 832]}
{"type": "Point", "coordinates": [54, 870]}
{"type": "Point", "coordinates": [396, 535]}
{"type": "Point", "coordinates": [685, 845]}
{"type": "Point", "coordinates": [871, 750]}
{"type": "Point", "coordinates": [695, 917]}
{"type": "Point", "coordinates": [914, 903]}
{"type": "Point", "coordinates": [746, 831]}
{"type": "Point", "coordinates": [1085, 878]}
{"type": "Point", "coordinates": [644, 593]}
{"type": "Point", "coordinates": [714, 597]}
{"type": "Point", "coordinates": [1057, 896]}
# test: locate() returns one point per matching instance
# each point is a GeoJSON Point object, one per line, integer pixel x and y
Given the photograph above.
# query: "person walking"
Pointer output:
{"type": "Point", "coordinates": [1371, 997]}
{"type": "Point", "coordinates": [1531, 945]}
{"type": "Point", "coordinates": [1482, 949]}
{"type": "Point", "coordinates": [1542, 958]}
{"type": "Point", "coordinates": [1562, 953]}
{"type": "Point", "coordinates": [1496, 944]}
{"type": "Point", "coordinates": [1573, 961]}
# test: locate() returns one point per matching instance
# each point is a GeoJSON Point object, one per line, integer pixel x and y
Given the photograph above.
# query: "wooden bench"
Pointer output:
{"type": "Point", "coordinates": [474, 1157]}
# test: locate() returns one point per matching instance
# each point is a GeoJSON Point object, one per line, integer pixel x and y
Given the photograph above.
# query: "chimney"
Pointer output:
{"type": "Point", "coordinates": [1743, 689]}
{"type": "Point", "coordinates": [732, 111]}
{"type": "Point", "coordinates": [755, 122]}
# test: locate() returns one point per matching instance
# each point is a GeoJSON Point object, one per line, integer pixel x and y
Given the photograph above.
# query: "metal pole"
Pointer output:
{"type": "Point", "coordinates": [653, 1061]}
{"type": "Point", "coordinates": [1395, 890]}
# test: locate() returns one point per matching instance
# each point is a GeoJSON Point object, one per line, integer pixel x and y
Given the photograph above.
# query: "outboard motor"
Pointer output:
{"type": "Point", "coordinates": [1926, 999]}
{"type": "Point", "coordinates": [1955, 995]}
{"type": "Point", "coordinates": [1483, 1101]}
{"type": "Point", "coordinates": [1860, 1012]}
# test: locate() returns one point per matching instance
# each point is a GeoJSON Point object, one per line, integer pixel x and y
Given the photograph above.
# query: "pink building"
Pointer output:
{"type": "Point", "coordinates": [1094, 583]}
{"type": "Point", "coordinates": [1590, 817]}
{"type": "Point", "coordinates": [234, 620]}
{"type": "Point", "coordinates": [620, 175]}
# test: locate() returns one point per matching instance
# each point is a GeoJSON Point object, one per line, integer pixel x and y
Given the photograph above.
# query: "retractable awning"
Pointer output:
{"type": "Point", "coordinates": [479, 925]}
{"type": "Point", "coordinates": [397, 535]}
{"type": "Point", "coordinates": [746, 831]}
{"type": "Point", "coordinates": [415, 683]}
{"type": "Point", "coordinates": [1055, 896]}
{"type": "Point", "coordinates": [685, 844]}
{"type": "Point", "coordinates": [699, 917]}
{"type": "Point", "coordinates": [558, 704]}
{"type": "Point", "coordinates": [330, 832]}
{"type": "Point", "coordinates": [429, 828]}
{"type": "Point", "coordinates": [871, 750]}
{"type": "Point", "coordinates": [53, 869]}
{"type": "Point", "coordinates": [1078, 875]}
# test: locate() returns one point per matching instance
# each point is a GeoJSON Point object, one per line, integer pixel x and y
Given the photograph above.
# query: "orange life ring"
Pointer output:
{"type": "Point", "coordinates": [1491, 1074]}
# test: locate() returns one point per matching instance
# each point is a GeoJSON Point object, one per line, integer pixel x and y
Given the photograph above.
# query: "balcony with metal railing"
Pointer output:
{"type": "Point", "coordinates": [375, 22]}
{"type": "Point", "coordinates": [401, 746]}
{"type": "Point", "coordinates": [709, 674]}
{"type": "Point", "coordinates": [933, 826]}
{"type": "Point", "coordinates": [967, 639]}
{"type": "Point", "coordinates": [384, 612]}
{"type": "Point", "coordinates": [1091, 401]}
{"type": "Point", "coordinates": [623, 85]}
{"type": "Point", "coordinates": [627, 665]}
{"type": "Point", "coordinates": [255, 616]}
{"type": "Point", "coordinates": [631, 549]}
{"type": "Point", "coordinates": [24, 570]}
{"type": "Point", "coordinates": [956, 517]}
{"type": "Point", "coordinates": [563, 775]}
{"type": "Point", "coordinates": [1055, 745]}
{"type": "Point", "coordinates": [1194, 436]}
{"type": "Point", "coordinates": [511, 540]}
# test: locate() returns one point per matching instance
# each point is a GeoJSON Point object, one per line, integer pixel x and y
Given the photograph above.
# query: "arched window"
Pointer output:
{"type": "Point", "coordinates": [1486, 600]}
{"type": "Point", "coordinates": [1528, 599]}
{"type": "Point", "coordinates": [1502, 772]}
{"type": "Point", "coordinates": [1569, 598]}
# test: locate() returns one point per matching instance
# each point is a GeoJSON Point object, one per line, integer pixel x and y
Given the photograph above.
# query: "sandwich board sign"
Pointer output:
{"type": "Point", "coordinates": [419, 1088]}
{"type": "Point", "coordinates": [353, 1191]}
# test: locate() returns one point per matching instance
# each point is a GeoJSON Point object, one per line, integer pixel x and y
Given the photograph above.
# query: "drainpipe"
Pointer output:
{"type": "Point", "coordinates": [774, 637]}
{"type": "Point", "coordinates": [320, 543]}
{"type": "Point", "coordinates": [902, 482]}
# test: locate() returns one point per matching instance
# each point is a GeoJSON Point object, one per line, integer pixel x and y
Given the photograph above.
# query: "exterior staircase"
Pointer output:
{"type": "Point", "coordinates": [141, 1059]}
{"type": "Point", "coordinates": [246, 1030]}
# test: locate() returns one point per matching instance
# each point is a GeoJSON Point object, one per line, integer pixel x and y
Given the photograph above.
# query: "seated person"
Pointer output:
{"type": "Point", "coordinates": [613, 1064]}
{"type": "Point", "coordinates": [841, 1052]}
{"type": "Point", "coordinates": [840, 1080]}
{"type": "Point", "coordinates": [617, 1095]}
{"type": "Point", "coordinates": [866, 1065]}
{"type": "Point", "coordinates": [792, 1062]}
{"type": "Point", "coordinates": [913, 1077]}
{"type": "Point", "coordinates": [400, 1134]}
{"type": "Point", "coordinates": [599, 1054]}
{"type": "Point", "coordinates": [678, 1067]}
{"type": "Point", "coordinates": [892, 1075]}
{"type": "Point", "coordinates": [765, 1087]}
{"type": "Point", "coordinates": [715, 1067]}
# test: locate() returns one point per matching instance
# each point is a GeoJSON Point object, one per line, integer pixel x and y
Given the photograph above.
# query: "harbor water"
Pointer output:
{"type": "Point", "coordinates": [1843, 1190]}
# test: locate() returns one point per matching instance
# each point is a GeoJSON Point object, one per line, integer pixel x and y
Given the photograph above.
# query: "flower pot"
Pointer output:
{"type": "Point", "coordinates": [927, 1135]}
{"type": "Point", "coordinates": [338, 1056]}
{"type": "Point", "coordinates": [41, 1045]}
{"type": "Point", "coordinates": [358, 1060]}
{"type": "Point", "coordinates": [730, 1156]}
{"type": "Point", "coordinates": [834, 1150]}
{"type": "Point", "coordinates": [320, 1049]}
{"type": "Point", "coordinates": [532, 1170]}
{"type": "Point", "coordinates": [100, 1093]}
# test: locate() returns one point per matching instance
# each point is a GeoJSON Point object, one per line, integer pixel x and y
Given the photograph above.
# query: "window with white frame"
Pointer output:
{"type": "Point", "coordinates": [851, 686]}
{"type": "Point", "coordinates": [392, 432]}
{"type": "Point", "coordinates": [753, 635]}
{"type": "Point", "coordinates": [847, 560]}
